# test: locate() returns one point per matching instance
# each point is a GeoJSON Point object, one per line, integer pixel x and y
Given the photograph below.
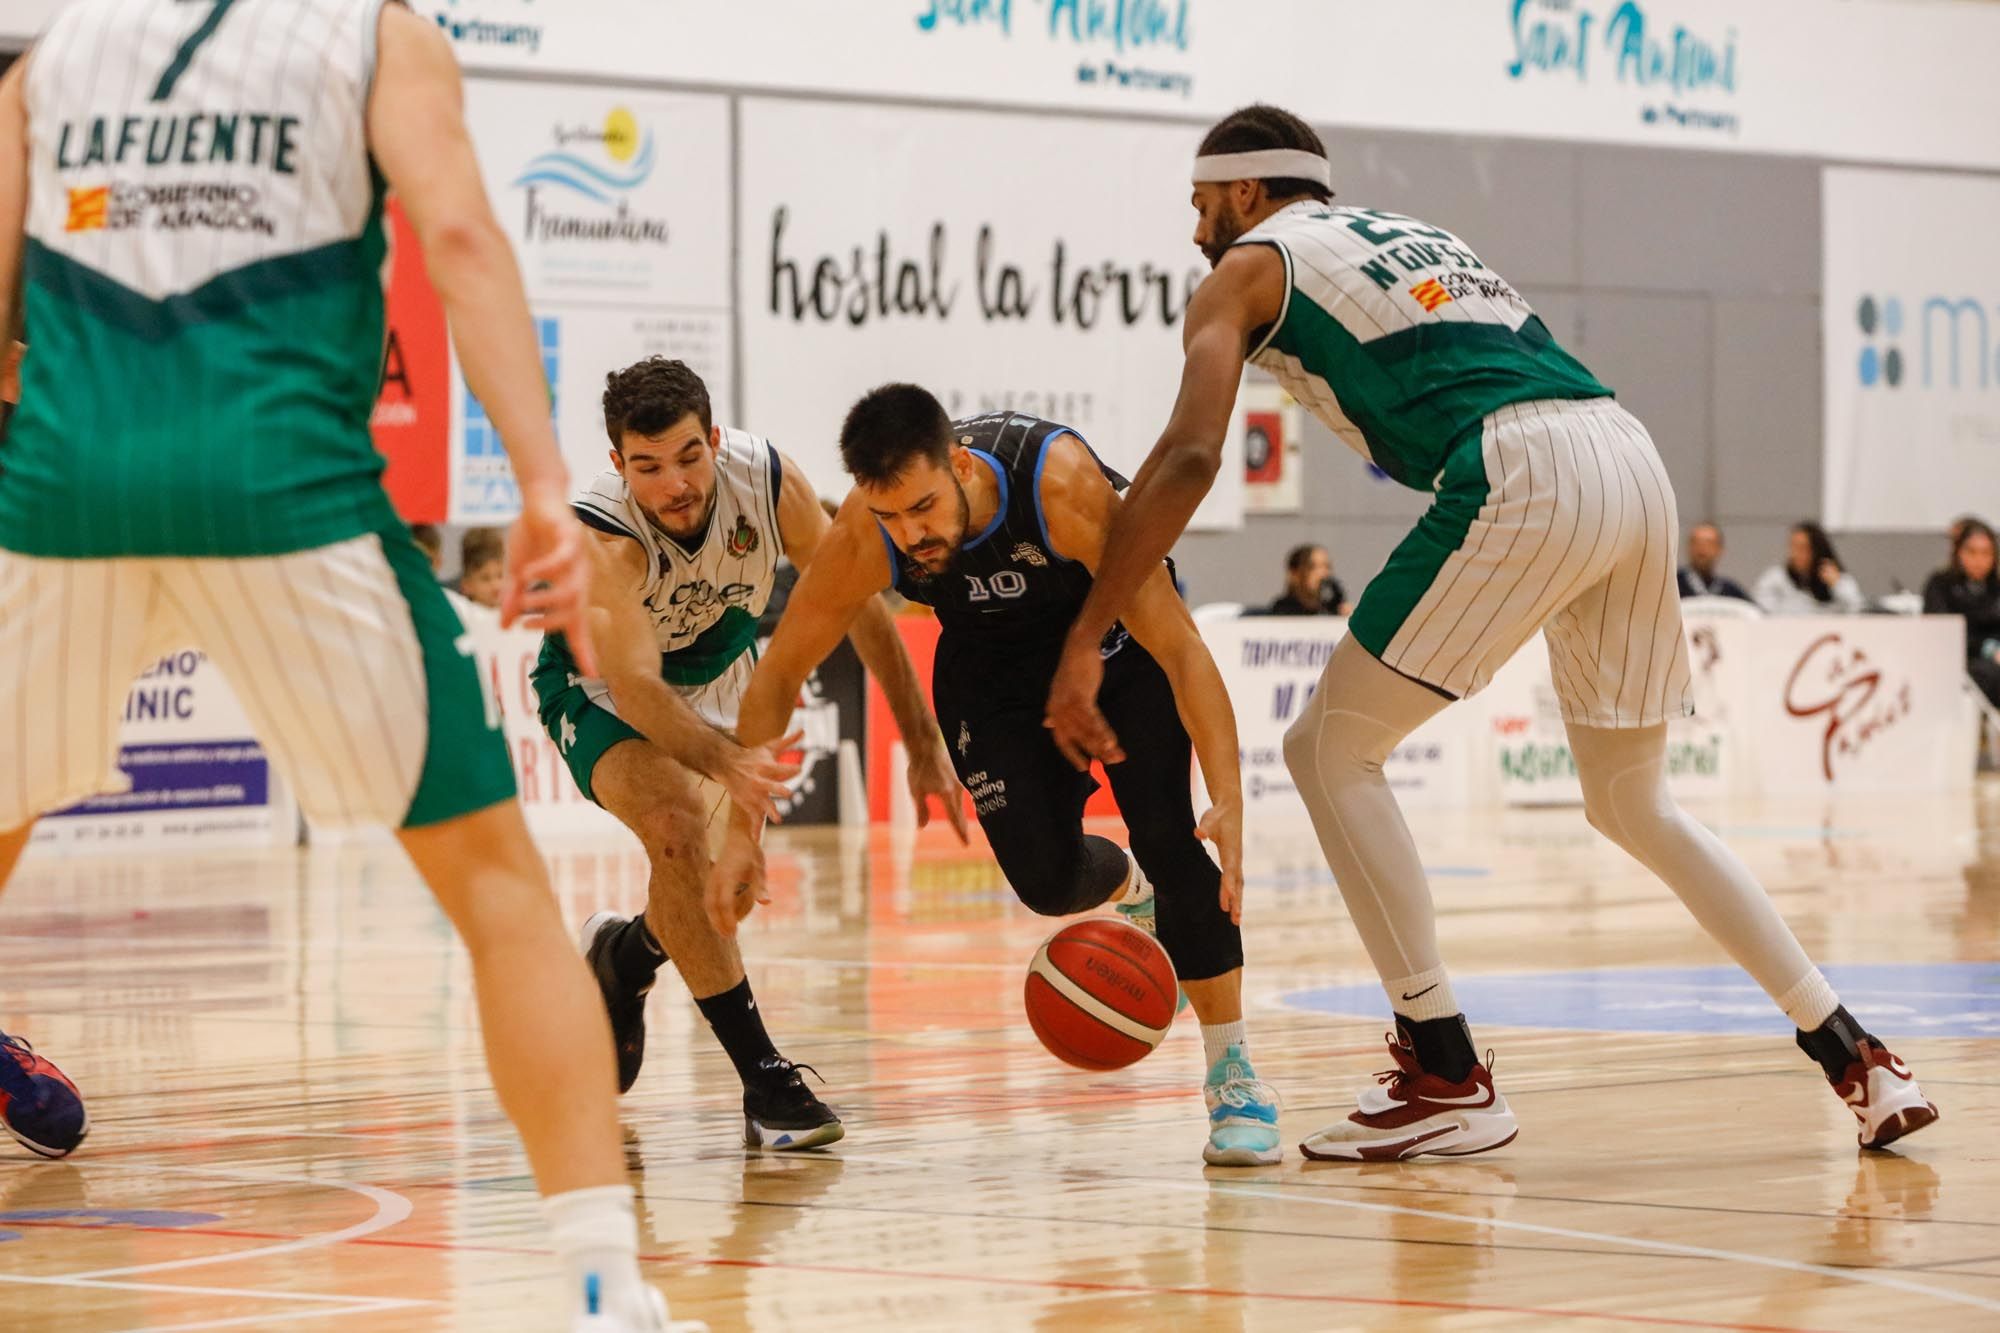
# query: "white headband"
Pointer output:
{"type": "Point", "coordinates": [1264, 164]}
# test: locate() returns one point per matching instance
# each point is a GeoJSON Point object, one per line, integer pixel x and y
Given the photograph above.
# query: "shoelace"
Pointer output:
{"type": "Point", "coordinates": [1240, 1092]}
{"type": "Point", "coordinates": [13, 1077]}
{"type": "Point", "coordinates": [1396, 1079]}
{"type": "Point", "coordinates": [790, 1070]}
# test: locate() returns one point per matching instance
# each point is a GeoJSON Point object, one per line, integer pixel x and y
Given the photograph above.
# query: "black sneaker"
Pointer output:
{"type": "Point", "coordinates": [781, 1113]}
{"type": "Point", "coordinates": [625, 1006]}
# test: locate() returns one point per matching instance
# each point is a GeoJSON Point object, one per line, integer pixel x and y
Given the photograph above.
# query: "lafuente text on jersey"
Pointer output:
{"type": "Point", "coordinates": [251, 139]}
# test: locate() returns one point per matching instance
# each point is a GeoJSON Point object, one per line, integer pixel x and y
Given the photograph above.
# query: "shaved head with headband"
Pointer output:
{"type": "Point", "coordinates": [1277, 154]}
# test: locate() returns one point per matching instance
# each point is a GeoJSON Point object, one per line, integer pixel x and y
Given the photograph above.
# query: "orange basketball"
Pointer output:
{"type": "Point", "coordinates": [1101, 993]}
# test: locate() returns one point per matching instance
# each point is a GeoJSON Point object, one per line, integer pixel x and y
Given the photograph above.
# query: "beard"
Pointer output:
{"type": "Point", "coordinates": [940, 550]}
{"type": "Point", "coordinates": [677, 524]}
{"type": "Point", "coordinates": [1225, 231]}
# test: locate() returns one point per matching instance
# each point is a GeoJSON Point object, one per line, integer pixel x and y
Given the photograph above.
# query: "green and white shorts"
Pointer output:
{"type": "Point", "coordinates": [582, 719]}
{"type": "Point", "coordinates": [356, 674]}
{"type": "Point", "coordinates": [1558, 518]}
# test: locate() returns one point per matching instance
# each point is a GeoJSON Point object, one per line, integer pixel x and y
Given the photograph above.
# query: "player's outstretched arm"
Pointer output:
{"type": "Point", "coordinates": [883, 653]}
{"type": "Point", "coordinates": [1081, 507]}
{"type": "Point", "coordinates": [13, 214]}
{"type": "Point", "coordinates": [753, 775]}
{"type": "Point", "coordinates": [844, 574]}
{"type": "Point", "coordinates": [416, 131]}
{"type": "Point", "coordinates": [1245, 291]}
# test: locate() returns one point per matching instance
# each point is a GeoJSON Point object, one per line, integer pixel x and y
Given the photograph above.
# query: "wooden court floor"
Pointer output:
{"type": "Point", "coordinates": [293, 1127]}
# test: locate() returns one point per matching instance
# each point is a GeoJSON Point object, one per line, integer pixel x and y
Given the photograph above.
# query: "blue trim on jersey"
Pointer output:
{"type": "Point", "coordinates": [895, 557]}
{"type": "Point", "coordinates": [1042, 519]}
{"type": "Point", "coordinates": [777, 487]}
{"type": "Point", "coordinates": [1000, 513]}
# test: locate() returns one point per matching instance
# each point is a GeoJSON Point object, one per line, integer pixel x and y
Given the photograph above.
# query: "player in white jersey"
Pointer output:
{"type": "Point", "coordinates": [691, 520]}
{"type": "Point", "coordinates": [191, 232]}
{"type": "Point", "coordinates": [1551, 511]}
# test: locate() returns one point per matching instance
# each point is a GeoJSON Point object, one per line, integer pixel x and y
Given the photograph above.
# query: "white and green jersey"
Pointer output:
{"type": "Point", "coordinates": [1398, 338]}
{"type": "Point", "coordinates": [203, 282]}
{"type": "Point", "coordinates": [704, 598]}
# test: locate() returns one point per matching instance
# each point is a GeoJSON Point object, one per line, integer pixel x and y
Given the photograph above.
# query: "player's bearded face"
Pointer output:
{"type": "Point", "coordinates": [672, 476]}
{"type": "Point", "coordinates": [1220, 225]}
{"type": "Point", "coordinates": [926, 514]}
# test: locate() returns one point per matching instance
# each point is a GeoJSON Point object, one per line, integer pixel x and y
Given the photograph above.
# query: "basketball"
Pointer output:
{"type": "Point", "coordinates": [1100, 993]}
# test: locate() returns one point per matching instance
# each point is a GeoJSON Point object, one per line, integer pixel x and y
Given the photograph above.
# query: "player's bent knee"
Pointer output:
{"type": "Point", "coordinates": [675, 832]}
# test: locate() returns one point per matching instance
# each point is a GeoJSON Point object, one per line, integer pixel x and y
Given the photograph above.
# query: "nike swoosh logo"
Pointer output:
{"type": "Point", "coordinates": [1476, 1099]}
{"type": "Point", "coordinates": [1420, 994]}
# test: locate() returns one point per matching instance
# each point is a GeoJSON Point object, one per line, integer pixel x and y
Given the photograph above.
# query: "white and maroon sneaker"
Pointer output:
{"type": "Point", "coordinates": [1884, 1096]}
{"type": "Point", "coordinates": [1415, 1114]}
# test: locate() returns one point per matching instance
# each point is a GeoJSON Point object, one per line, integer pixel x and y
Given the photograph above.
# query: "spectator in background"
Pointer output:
{"type": "Point", "coordinates": [1310, 587]}
{"type": "Point", "coordinates": [430, 541]}
{"type": "Point", "coordinates": [482, 564]}
{"type": "Point", "coordinates": [1969, 587]}
{"type": "Point", "coordinates": [1811, 581]}
{"type": "Point", "coordinates": [1700, 576]}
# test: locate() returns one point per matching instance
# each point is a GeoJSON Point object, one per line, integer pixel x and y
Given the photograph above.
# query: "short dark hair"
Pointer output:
{"type": "Point", "coordinates": [891, 428]}
{"type": "Point", "coordinates": [1301, 556]}
{"type": "Point", "coordinates": [649, 396]}
{"type": "Point", "coordinates": [426, 536]}
{"type": "Point", "coordinates": [480, 545]}
{"type": "Point", "coordinates": [1258, 127]}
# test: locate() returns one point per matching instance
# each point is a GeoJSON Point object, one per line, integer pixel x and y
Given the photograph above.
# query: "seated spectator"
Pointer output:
{"type": "Point", "coordinates": [1969, 587]}
{"type": "Point", "coordinates": [1700, 576]}
{"type": "Point", "coordinates": [482, 561]}
{"type": "Point", "coordinates": [430, 541]}
{"type": "Point", "coordinates": [1811, 581]}
{"type": "Point", "coordinates": [1310, 587]}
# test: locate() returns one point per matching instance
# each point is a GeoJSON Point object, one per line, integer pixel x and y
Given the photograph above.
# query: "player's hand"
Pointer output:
{"type": "Point", "coordinates": [756, 776]}
{"type": "Point", "coordinates": [1222, 828]}
{"type": "Point", "coordinates": [548, 574]}
{"type": "Point", "coordinates": [1081, 732]}
{"type": "Point", "coordinates": [735, 882]}
{"type": "Point", "coordinates": [1829, 573]}
{"type": "Point", "coordinates": [931, 775]}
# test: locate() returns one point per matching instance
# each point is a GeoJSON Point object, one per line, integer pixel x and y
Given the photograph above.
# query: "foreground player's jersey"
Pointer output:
{"type": "Point", "coordinates": [1398, 338]}
{"type": "Point", "coordinates": [1007, 586]}
{"type": "Point", "coordinates": [203, 283]}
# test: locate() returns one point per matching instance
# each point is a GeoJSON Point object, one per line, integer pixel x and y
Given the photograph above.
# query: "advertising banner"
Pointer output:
{"type": "Point", "coordinates": [960, 251]}
{"type": "Point", "coordinates": [198, 777]}
{"type": "Point", "coordinates": [1911, 316]}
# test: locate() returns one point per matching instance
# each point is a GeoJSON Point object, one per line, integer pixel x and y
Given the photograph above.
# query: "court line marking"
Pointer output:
{"type": "Point", "coordinates": [1865, 1276]}
{"type": "Point", "coordinates": [241, 1293]}
{"type": "Point", "coordinates": [258, 1320]}
{"type": "Point", "coordinates": [391, 1209]}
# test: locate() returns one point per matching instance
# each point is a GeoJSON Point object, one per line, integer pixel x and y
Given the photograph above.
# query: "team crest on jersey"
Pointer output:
{"type": "Point", "coordinates": [743, 538]}
{"type": "Point", "coordinates": [1030, 554]}
{"type": "Point", "coordinates": [1430, 294]}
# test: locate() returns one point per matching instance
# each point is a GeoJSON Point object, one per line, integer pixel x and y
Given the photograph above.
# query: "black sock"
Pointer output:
{"type": "Point", "coordinates": [1835, 1043]}
{"type": "Point", "coordinates": [635, 955]}
{"type": "Point", "coordinates": [1443, 1046]}
{"type": "Point", "coordinates": [740, 1028]}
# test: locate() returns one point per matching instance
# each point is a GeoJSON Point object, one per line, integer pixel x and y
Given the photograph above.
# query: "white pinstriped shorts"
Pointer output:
{"type": "Point", "coordinates": [355, 673]}
{"type": "Point", "coordinates": [1563, 522]}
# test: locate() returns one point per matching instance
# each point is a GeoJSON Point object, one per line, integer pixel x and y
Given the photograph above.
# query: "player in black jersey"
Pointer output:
{"type": "Point", "coordinates": [997, 522]}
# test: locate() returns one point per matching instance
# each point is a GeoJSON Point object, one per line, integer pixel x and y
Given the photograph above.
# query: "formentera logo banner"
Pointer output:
{"type": "Point", "coordinates": [1689, 75]}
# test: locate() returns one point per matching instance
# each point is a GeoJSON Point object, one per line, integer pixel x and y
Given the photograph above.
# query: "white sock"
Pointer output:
{"type": "Point", "coordinates": [1217, 1038]}
{"type": "Point", "coordinates": [596, 1235]}
{"type": "Point", "coordinates": [1810, 1002]}
{"type": "Point", "coordinates": [1425, 996]}
{"type": "Point", "coordinates": [1136, 886]}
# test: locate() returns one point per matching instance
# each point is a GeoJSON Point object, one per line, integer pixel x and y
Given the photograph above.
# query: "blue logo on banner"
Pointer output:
{"type": "Point", "coordinates": [489, 487]}
{"type": "Point", "coordinates": [1954, 336]}
{"type": "Point", "coordinates": [148, 1218]}
{"type": "Point", "coordinates": [1902, 999]}
{"type": "Point", "coordinates": [185, 775]}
